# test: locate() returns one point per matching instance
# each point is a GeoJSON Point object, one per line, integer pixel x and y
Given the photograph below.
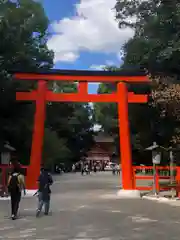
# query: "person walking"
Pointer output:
{"type": "Point", "coordinates": [87, 169]}
{"type": "Point", "coordinates": [15, 186]}
{"type": "Point", "coordinates": [44, 192]}
{"type": "Point", "coordinates": [95, 168]}
{"type": "Point", "coordinates": [74, 168]}
{"type": "Point", "coordinates": [82, 169]}
{"type": "Point", "coordinates": [113, 170]}
{"type": "Point", "coordinates": [118, 169]}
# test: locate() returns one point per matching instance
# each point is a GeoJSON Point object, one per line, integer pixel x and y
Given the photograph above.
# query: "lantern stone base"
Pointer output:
{"type": "Point", "coordinates": [129, 194]}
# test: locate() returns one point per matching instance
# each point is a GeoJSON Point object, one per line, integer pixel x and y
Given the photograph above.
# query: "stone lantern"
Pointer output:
{"type": "Point", "coordinates": [6, 153]}
{"type": "Point", "coordinates": [156, 153]}
{"type": "Point", "coordinates": [156, 159]}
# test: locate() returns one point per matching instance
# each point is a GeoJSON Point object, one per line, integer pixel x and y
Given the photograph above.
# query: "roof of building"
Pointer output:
{"type": "Point", "coordinates": [7, 147]}
{"type": "Point", "coordinates": [103, 138]}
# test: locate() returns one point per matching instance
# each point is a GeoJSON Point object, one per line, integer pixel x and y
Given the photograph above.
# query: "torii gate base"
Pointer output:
{"type": "Point", "coordinates": [122, 97]}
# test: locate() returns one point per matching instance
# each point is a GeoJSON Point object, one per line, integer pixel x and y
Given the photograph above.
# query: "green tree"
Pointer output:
{"type": "Point", "coordinates": [140, 127]}
{"type": "Point", "coordinates": [146, 122]}
{"type": "Point", "coordinates": [155, 45]}
{"type": "Point", "coordinates": [23, 46]}
{"type": "Point", "coordinates": [72, 122]}
{"type": "Point", "coordinates": [55, 149]}
{"type": "Point", "coordinates": [23, 30]}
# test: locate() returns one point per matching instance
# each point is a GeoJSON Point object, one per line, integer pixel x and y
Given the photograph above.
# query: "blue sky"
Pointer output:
{"type": "Point", "coordinates": [84, 34]}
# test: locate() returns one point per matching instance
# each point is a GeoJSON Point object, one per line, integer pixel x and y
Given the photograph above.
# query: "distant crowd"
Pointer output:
{"type": "Point", "coordinates": [86, 168]}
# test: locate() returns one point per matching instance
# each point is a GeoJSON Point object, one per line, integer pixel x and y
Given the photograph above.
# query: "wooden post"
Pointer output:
{"type": "Point", "coordinates": [3, 168]}
{"type": "Point", "coordinates": [83, 88]}
{"type": "Point", "coordinates": [171, 157]}
{"type": "Point", "coordinates": [38, 137]}
{"type": "Point", "coordinates": [155, 180]}
{"type": "Point", "coordinates": [124, 134]}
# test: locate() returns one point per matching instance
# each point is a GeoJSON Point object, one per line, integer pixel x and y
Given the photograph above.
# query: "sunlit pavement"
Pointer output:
{"type": "Point", "coordinates": [85, 207]}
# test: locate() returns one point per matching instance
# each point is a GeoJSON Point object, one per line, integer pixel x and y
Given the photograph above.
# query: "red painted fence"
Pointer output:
{"type": "Point", "coordinates": [158, 176]}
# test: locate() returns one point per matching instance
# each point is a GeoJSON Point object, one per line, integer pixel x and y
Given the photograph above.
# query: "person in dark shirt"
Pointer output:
{"type": "Point", "coordinates": [44, 192]}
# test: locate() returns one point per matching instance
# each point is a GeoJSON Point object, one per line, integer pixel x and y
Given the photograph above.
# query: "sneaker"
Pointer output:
{"type": "Point", "coordinates": [46, 213]}
{"type": "Point", "coordinates": [13, 217]}
{"type": "Point", "coordinates": [37, 213]}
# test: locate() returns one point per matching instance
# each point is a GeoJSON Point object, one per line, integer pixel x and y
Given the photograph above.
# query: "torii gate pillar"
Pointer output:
{"type": "Point", "coordinates": [125, 144]}
{"type": "Point", "coordinates": [37, 138]}
{"type": "Point", "coordinates": [124, 137]}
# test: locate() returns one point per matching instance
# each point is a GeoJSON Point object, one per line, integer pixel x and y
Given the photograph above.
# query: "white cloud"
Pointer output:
{"type": "Point", "coordinates": [93, 28]}
{"type": "Point", "coordinates": [120, 55]}
{"type": "Point", "coordinates": [110, 63]}
{"type": "Point", "coordinates": [102, 66]}
{"type": "Point", "coordinates": [97, 67]}
{"type": "Point", "coordinates": [67, 57]}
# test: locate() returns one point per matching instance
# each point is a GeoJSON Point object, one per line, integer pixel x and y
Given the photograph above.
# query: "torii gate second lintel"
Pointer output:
{"type": "Point", "coordinates": [42, 95]}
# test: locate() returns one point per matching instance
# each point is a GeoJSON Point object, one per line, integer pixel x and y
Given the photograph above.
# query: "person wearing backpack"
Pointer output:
{"type": "Point", "coordinates": [44, 192]}
{"type": "Point", "coordinates": [15, 185]}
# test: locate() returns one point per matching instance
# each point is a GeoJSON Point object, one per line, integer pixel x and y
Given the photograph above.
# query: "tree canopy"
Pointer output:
{"type": "Point", "coordinates": [155, 48]}
{"type": "Point", "coordinates": [155, 45]}
{"type": "Point", "coordinates": [23, 46]}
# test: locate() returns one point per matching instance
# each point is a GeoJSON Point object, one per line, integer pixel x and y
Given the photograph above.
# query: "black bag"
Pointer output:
{"type": "Point", "coordinates": [14, 184]}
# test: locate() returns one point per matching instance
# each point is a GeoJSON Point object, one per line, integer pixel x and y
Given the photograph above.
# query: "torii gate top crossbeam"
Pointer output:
{"type": "Point", "coordinates": [85, 76]}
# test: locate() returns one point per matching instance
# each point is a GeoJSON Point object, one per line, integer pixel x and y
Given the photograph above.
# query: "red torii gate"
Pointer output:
{"type": "Point", "coordinates": [43, 95]}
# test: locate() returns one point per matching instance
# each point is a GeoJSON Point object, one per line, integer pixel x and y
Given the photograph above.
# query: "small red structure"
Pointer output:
{"type": "Point", "coordinates": [102, 150]}
{"type": "Point", "coordinates": [42, 95]}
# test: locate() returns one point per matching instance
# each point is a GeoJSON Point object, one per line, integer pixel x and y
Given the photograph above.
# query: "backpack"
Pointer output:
{"type": "Point", "coordinates": [14, 183]}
